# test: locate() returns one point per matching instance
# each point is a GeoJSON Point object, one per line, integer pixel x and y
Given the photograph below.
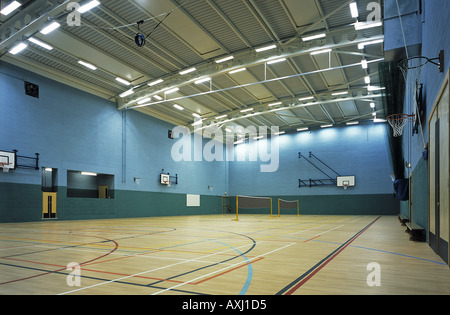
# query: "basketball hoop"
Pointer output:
{"type": "Point", "coordinates": [398, 122]}
{"type": "Point", "coordinates": [4, 165]}
{"type": "Point", "coordinates": [168, 183]}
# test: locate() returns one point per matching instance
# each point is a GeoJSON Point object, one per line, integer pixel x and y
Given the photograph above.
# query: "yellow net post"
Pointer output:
{"type": "Point", "coordinates": [237, 209]}
{"type": "Point", "coordinates": [298, 208]}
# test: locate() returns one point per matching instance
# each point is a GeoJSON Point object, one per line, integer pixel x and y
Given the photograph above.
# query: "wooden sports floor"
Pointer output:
{"type": "Point", "coordinates": [257, 255]}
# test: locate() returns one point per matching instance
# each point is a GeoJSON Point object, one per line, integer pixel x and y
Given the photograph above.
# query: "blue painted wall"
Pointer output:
{"type": "Point", "coordinates": [73, 130]}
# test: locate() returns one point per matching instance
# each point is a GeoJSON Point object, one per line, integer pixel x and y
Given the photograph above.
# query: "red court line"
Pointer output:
{"type": "Point", "coordinates": [312, 238]}
{"type": "Point", "coordinates": [315, 271]}
{"type": "Point", "coordinates": [65, 268]}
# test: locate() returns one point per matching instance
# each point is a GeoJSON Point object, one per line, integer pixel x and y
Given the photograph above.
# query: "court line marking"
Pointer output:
{"type": "Point", "coordinates": [156, 269]}
{"type": "Point", "coordinates": [211, 273]}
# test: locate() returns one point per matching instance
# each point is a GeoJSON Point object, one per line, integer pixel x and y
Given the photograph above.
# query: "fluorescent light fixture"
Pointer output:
{"type": "Point", "coordinates": [10, 7]}
{"type": "Point", "coordinates": [159, 98]}
{"type": "Point", "coordinates": [237, 70]}
{"type": "Point", "coordinates": [276, 61]}
{"type": "Point", "coordinates": [377, 120]}
{"type": "Point", "coordinates": [306, 98]}
{"type": "Point", "coordinates": [367, 80]}
{"type": "Point", "coordinates": [354, 9]}
{"type": "Point", "coordinates": [352, 123]}
{"type": "Point", "coordinates": [18, 48]}
{"type": "Point", "coordinates": [266, 48]}
{"type": "Point", "coordinates": [312, 37]}
{"type": "Point", "coordinates": [372, 105]}
{"type": "Point", "coordinates": [339, 93]}
{"type": "Point", "coordinates": [187, 71]}
{"type": "Point", "coordinates": [125, 94]}
{"type": "Point", "coordinates": [303, 129]}
{"type": "Point", "coordinates": [88, 173]}
{"type": "Point", "coordinates": [366, 25]}
{"type": "Point", "coordinates": [171, 91]}
{"type": "Point", "coordinates": [364, 64]}
{"type": "Point", "coordinates": [374, 88]}
{"type": "Point", "coordinates": [178, 107]}
{"type": "Point", "coordinates": [196, 115]}
{"type": "Point", "coordinates": [155, 82]}
{"type": "Point", "coordinates": [279, 133]}
{"type": "Point", "coordinates": [239, 141]}
{"type": "Point", "coordinates": [246, 110]}
{"type": "Point", "coordinates": [326, 126]}
{"type": "Point", "coordinates": [374, 113]}
{"type": "Point", "coordinates": [144, 100]}
{"type": "Point", "coordinates": [372, 42]}
{"type": "Point", "coordinates": [124, 82]}
{"type": "Point", "coordinates": [228, 130]}
{"type": "Point", "coordinates": [48, 169]}
{"type": "Point", "coordinates": [258, 137]}
{"type": "Point", "coordinates": [39, 43]}
{"type": "Point", "coordinates": [220, 117]}
{"type": "Point", "coordinates": [87, 65]}
{"type": "Point", "coordinates": [197, 122]}
{"type": "Point", "coordinates": [50, 28]}
{"type": "Point", "coordinates": [275, 104]}
{"type": "Point", "coordinates": [203, 80]}
{"type": "Point", "coordinates": [88, 6]}
{"type": "Point", "coordinates": [323, 51]}
{"type": "Point", "coordinates": [224, 59]}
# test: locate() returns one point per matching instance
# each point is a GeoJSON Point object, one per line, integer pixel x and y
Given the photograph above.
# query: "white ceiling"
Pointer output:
{"type": "Point", "coordinates": [195, 33]}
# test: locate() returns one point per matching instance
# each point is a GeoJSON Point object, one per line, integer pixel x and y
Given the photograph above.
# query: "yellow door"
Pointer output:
{"type": "Point", "coordinates": [103, 191]}
{"type": "Point", "coordinates": [49, 205]}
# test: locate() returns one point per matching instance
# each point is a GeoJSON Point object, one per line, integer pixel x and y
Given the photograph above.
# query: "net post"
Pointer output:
{"type": "Point", "coordinates": [270, 207]}
{"type": "Point", "coordinates": [237, 209]}
{"type": "Point", "coordinates": [278, 206]}
{"type": "Point", "coordinates": [298, 209]}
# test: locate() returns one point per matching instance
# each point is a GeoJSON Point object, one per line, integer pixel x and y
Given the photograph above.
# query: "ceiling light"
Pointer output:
{"type": "Point", "coordinates": [350, 123]}
{"type": "Point", "coordinates": [18, 48]}
{"type": "Point", "coordinates": [50, 28]}
{"type": "Point", "coordinates": [306, 98]}
{"type": "Point", "coordinates": [10, 7]}
{"type": "Point", "coordinates": [49, 169]}
{"type": "Point", "coordinates": [374, 113]}
{"type": "Point", "coordinates": [196, 115]}
{"type": "Point", "coordinates": [312, 37]}
{"type": "Point", "coordinates": [354, 9]}
{"type": "Point", "coordinates": [171, 91]}
{"type": "Point", "coordinates": [374, 88]}
{"type": "Point", "coordinates": [326, 126]}
{"type": "Point", "coordinates": [258, 137]}
{"type": "Point", "coordinates": [178, 107]}
{"type": "Point", "coordinates": [275, 104]}
{"type": "Point", "coordinates": [339, 93]}
{"type": "Point", "coordinates": [203, 80]}
{"type": "Point", "coordinates": [87, 65]}
{"type": "Point", "coordinates": [302, 129]}
{"type": "Point", "coordinates": [364, 64]}
{"type": "Point", "coordinates": [125, 94]}
{"type": "Point", "coordinates": [88, 173]}
{"type": "Point", "coordinates": [372, 105]}
{"type": "Point", "coordinates": [159, 98]}
{"type": "Point", "coordinates": [276, 61]}
{"type": "Point", "coordinates": [237, 70]}
{"type": "Point", "coordinates": [125, 82]}
{"type": "Point", "coordinates": [88, 6]}
{"type": "Point", "coordinates": [39, 43]}
{"type": "Point", "coordinates": [279, 133]}
{"type": "Point", "coordinates": [246, 110]}
{"type": "Point", "coordinates": [239, 141]}
{"type": "Point", "coordinates": [220, 117]}
{"type": "Point", "coordinates": [266, 48]}
{"type": "Point", "coordinates": [379, 120]}
{"type": "Point", "coordinates": [197, 122]}
{"type": "Point", "coordinates": [362, 45]}
{"type": "Point", "coordinates": [324, 51]}
{"type": "Point", "coordinates": [145, 100]}
{"type": "Point", "coordinates": [367, 80]}
{"type": "Point", "coordinates": [228, 130]}
{"type": "Point", "coordinates": [224, 59]}
{"type": "Point", "coordinates": [187, 71]}
{"type": "Point", "coordinates": [155, 82]}
{"type": "Point", "coordinates": [366, 25]}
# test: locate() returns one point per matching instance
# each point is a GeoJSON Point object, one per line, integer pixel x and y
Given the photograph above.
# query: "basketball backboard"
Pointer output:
{"type": "Point", "coordinates": [342, 181]}
{"type": "Point", "coordinates": [7, 160]}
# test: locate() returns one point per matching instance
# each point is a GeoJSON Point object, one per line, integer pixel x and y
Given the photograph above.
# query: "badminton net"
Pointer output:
{"type": "Point", "coordinates": [253, 205]}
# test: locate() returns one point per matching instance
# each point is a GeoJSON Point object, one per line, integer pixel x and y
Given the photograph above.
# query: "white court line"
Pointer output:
{"type": "Point", "coordinates": [220, 270]}
{"type": "Point", "coordinates": [312, 228]}
{"type": "Point", "coordinates": [329, 230]}
{"type": "Point", "coordinates": [156, 269]}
